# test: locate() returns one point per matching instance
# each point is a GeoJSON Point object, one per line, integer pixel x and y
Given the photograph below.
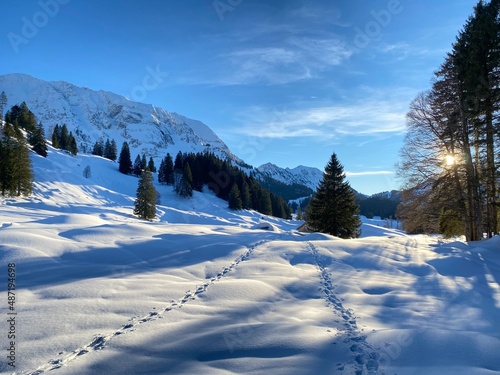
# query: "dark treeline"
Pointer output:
{"type": "Point", "coordinates": [227, 182]}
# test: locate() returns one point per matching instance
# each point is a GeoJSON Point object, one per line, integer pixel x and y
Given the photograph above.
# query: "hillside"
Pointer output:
{"type": "Point", "coordinates": [204, 290]}
{"type": "Point", "coordinates": [93, 115]}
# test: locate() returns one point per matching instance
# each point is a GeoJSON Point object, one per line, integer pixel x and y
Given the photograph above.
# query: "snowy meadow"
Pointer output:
{"type": "Point", "coordinates": [206, 290]}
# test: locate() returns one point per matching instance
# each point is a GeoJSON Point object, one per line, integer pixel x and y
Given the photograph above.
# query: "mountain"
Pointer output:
{"type": "Point", "coordinates": [300, 175]}
{"type": "Point", "coordinates": [93, 115]}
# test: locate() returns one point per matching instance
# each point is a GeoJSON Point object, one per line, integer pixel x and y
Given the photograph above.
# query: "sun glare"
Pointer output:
{"type": "Point", "coordinates": [450, 159]}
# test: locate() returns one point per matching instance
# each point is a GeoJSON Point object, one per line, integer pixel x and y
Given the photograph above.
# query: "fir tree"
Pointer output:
{"type": "Point", "coordinates": [98, 148]}
{"type": "Point", "coordinates": [246, 198]}
{"type": "Point", "coordinates": [178, 164]}
{"type": "Point", "coordinates": [3, 103]}
{"type": "Point", "coordinates": [38, 141]}
{"type": "Point", "coordinates": [64, 138]}
{"type": "Point", "coordinates": [125, 161]}
{"type": "Point", "coordinates": [113, 151]}
{"type": "Point", "coordinates": [234, 201]}
{"type": "Point", "coordinates": [169, 170]}
{"type": "Point", "coordinates": [183, 186]}
{"type": "Point", "coordinates": [137, 168]}
{"type": "Point", "coordinates": [161, 172]}
{"type": "Point", "coordinates": [333, 208]}
{"type": "Point", "coordinates": [144, 163]}
{"type": "Point", "coordinates": [145, 203]}
{"type": "Point", "coordinates": [56, 135]}
{"type": "Point", "coordinates": [72, 147]}
{"type": "Point", "coordinates": [151, 165]}
{"type": "Point", "coordinates": [106, 150]}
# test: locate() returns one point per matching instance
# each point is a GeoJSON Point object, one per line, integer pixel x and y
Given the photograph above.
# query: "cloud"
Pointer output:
{"type": "Point", "coordinates": [370, 117]}
{"type": "Point", "coordinates": [368, 173]}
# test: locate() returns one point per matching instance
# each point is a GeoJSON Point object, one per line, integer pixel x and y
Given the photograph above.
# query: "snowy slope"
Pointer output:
{"type": "Point", "coordinates": [302, 175]}
{"type": "Point", "coordinates": [99, 114]}
{"type": "Point", "coordinates": [203, 290]}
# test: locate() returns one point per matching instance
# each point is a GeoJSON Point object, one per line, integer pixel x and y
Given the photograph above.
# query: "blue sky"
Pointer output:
{"type": "Point", "coordinates": [287, 82]}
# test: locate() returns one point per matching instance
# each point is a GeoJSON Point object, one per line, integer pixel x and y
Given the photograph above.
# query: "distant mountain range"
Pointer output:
{"type": "Point", "coordinates": [307, 176]}
{"type": "Point", "coordinates": [95, 115]}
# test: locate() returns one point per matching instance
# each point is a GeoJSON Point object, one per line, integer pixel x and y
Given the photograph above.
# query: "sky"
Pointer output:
{"type": "Point", "coordinates": [286, 82]}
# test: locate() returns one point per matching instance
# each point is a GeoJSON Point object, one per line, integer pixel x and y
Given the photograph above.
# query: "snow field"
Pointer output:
{"type": "Point", "coordinates": [203, 290]}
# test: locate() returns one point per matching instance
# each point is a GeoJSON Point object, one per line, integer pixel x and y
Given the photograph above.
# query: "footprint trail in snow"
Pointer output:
{"type": "Point", "coordinates": [366, 358]}
{"type": "Point", "coordinates": [101, 341]}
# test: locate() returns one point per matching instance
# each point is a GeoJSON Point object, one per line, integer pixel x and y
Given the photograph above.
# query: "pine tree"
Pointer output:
{"type": "Point", "coordinates": [161, 173]}
{"type": "Point", "coordinates": [246, 198]}
{"type": "Point", "coordinates": [144, 163]}
{"type": "Point", "coordinates": [333, 208]}
{"type": "Point", "coordinates": [3, 103]}
{"type": "Point", "coordinates": [72, 147]}
{"type": "Point", "coordinates": [38, 141]}
{"type": "Point", "coordinates": [169, 170]}
{"type": "Point", "coordinates": [56, 135]}
{"type": "Point", "coordinates": [151, 165]}
{"type": "Point", "coordinates": [64, 138]}
{"type": "Point", "coordinates": [106, 149]}
{"type": "Point", "coordinates": [113, 151]}
{"type": "Point", "coordinates": [125, 161]}
{"type": "Point", "coordinates": [183, 186]}
{"type": "Point", "coordinates": [137, 168]}
{"type": "Point", "coordinates": [98, 148]}
{"type": "Point", "coordinates": [178, 164]}
{"type": "Point", "coordinates": [145, 203]}
{"type": "Point", "coordinates": [234, 201]}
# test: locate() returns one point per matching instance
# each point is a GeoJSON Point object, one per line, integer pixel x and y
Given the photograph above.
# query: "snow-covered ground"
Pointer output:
{"type": "Point", "coordinates": [204, 290]}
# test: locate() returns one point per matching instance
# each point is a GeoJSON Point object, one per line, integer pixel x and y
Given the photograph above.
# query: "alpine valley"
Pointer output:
{"type": "Point", "coordinates": [100, 115]}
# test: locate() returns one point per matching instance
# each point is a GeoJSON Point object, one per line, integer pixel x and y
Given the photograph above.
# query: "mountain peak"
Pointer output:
{"type": "Point", "coordinates": [92, 115]}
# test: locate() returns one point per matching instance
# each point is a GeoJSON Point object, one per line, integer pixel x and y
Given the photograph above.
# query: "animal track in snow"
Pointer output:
{"type": "Point", "coordinates": [99, 342]}
{"type": "Point", "coordinates": [366, 359]}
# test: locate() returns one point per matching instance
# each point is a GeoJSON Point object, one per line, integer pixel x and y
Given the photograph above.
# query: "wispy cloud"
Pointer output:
{"type": "Point", "coordinates": [368, 173]}
{"type": "Point", "coordinates": [370, 117]}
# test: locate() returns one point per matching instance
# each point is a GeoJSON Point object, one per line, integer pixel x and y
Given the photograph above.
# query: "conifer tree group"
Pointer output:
{"type": "Point", "coordinates": [64, 140]}
{"type": "Point", "coordinates": [107, 150]}
{"type": "Point", "coordinates": [16, 174]}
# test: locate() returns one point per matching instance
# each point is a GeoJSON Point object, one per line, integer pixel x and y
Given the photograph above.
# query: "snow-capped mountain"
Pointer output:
{"type": "Point", "coordinates": [302, 175]}
{"type": "Point", "coordinates": [92, 115]}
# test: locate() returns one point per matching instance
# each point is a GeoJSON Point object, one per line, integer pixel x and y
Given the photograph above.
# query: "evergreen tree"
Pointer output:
{"type": "Point", "coordinates": [144, 163]}
{"type": "Point", "coordinates": [72, 147]}
{"type": "Point", "coordinates": [151, 165]}
{"type": "Point", "coordinates": [38, 141]}
{"type": "Point", "coordinates": [145, 203]}
{"type": "Point", "coordinates": [125, 161]}
{"type": "Point", "coordinates": [3, 103]}
{"type": "Point", "coordinates": [246, 198]}
{"type": "Point", "coordinates": [64, 138]}
{"type": "Point", "coordinates": [23, 174]}
{"type": "Point", "coordinates": [161, 173]}
{"type": "Point", "coordinates": [113, 151]}
{"type": "Point", "coordinates": [169, 170]}
{"type": "Point", "coordinates": [183, 186]}
{"type": "Point", "coordinates": [98, 148]}
{"type": "Point", "coordinates": [137, 166]}
{"type": "Point", "coordinates": [16, 175]}
{"type": "Point", "coordinates": [56, 135]}
{"type": "Point", "coordinates": [178, 164]}
{"type": "Point", "coordinates": [333, 208]}
{"type": "Point", "coordinates": [234, 201]}
{"type": "Point", "coordinates": [106, 149]}
{"type": "Point", "coordinates": [87, 172]}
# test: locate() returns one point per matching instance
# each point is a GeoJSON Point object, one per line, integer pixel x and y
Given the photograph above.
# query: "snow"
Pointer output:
{"type": "Point", "coordinates": [205, 290]}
